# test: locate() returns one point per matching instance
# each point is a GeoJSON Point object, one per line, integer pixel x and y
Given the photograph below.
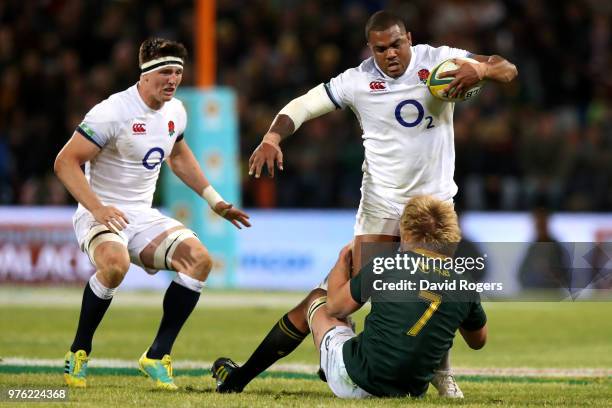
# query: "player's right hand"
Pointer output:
{"type": "Point", "coordinates": [113, 218]}
{"type": "Point", "coordinates": [268, 153]}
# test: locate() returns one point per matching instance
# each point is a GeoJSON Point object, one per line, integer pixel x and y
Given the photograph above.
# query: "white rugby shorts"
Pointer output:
{"type": "Point", "coordinates": [145, 225]}
{"type": "Point", "coordinates": [378, 215]}
{"type": "Point", "coordinates": [332, 363]}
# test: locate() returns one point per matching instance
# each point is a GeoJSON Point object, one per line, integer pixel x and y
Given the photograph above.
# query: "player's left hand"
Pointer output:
{"type": "Point", "coordinates": [233, 215]}
{"type": "Point", "coordinates": [467, 75]}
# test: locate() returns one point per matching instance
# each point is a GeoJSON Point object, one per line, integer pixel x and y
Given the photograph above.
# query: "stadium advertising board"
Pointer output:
{"type": "Point", "coordinates": [38, 247]}
{"type": "Point", "coordinates": [294, 250]}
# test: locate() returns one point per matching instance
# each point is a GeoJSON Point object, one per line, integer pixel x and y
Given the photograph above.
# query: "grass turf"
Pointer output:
{"type": "Point", "coordinates": [557, 335]}
{"type": "Point", "coordinates": [130, 391]}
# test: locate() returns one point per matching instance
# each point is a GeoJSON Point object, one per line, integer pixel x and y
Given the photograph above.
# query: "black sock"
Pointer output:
{"type": "Point", "coordinates": [445, 362]}
{"type": "Point", "coordinates": [179, 302]}
{"type": "Point", "coordinates": [92, 312]}
{"type": "Point", "coordinates": [282, 340]}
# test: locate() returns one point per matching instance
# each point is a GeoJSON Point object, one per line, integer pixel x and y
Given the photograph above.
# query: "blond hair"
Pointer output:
{"type": "Point", "coordinates": [430, 222]}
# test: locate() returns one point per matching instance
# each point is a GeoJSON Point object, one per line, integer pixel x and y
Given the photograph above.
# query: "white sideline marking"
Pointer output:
{"type": "Point", "coordinates": [311, 369]}
{"type": "Point", "coordinates": [118, 363]}
{"type": "Point", "coordinates": [71, 298]}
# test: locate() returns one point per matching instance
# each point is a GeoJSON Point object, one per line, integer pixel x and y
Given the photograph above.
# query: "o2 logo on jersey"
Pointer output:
{"type": "Point", "coordinates": [153, 158]}
{"type": "Point", "coordinates": [420, 114]}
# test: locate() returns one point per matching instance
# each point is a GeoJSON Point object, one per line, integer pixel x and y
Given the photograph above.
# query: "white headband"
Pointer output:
{"type": "Point", "coordinates": [160, 63]}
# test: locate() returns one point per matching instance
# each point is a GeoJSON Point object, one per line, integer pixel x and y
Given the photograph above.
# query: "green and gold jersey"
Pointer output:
{"type": "Point", "coordinates": [410, 326]}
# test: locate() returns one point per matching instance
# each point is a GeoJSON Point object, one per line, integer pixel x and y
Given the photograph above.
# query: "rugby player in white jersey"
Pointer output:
{"type": "Point", "coordinates": [409, 151]}
{"type": "Point", "coordinates": [123, 142]}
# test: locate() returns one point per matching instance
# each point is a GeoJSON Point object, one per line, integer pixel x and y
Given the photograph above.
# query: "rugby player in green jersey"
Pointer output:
{"type": "Point", "coordinates": [408, 331]}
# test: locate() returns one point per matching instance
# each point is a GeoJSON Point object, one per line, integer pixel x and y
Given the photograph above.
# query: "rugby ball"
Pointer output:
{"type": "Point", "coordinates": [437, 85]}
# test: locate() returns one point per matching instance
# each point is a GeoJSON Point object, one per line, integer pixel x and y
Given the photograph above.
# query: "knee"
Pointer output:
{"type": "Point", "coordinates": [299, 312]}
{"type": "Point", "coordinates": [314, 295]}
{"type": "Point", "coordinates": [202, 264]}
{"type": "Point", "coordinates": [311, 297]}
{"type": "Point", "coordinates": [112, 267]}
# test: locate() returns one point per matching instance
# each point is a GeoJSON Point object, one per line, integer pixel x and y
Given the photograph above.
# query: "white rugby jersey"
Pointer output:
{"type": "Point", "coordinates": [134, 141]}
{"type": "Point", "coordinates": [407, 133]}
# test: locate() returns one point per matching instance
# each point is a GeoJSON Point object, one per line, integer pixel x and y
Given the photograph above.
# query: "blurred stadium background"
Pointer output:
{"type": "Point", "coordinates": [548, 134]}
{"type": "Point", "coordinates": [544, 141]}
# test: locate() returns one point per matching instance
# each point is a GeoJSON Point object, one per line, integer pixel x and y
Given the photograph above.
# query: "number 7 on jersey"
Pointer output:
{"type": "Point", "coordinates": [435, 300]}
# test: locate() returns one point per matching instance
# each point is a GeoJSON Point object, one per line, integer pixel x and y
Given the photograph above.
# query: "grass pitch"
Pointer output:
{"type": "Point", "coordinates": [539, 354]}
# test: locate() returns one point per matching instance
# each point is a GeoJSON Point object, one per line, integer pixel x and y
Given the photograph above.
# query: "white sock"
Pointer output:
{"type": "Point", "coordinates": [189, 282]}
{"type": "Point", "coordinates": [445, 366]}
{"type": "Point", "coordinates": [99, 289]}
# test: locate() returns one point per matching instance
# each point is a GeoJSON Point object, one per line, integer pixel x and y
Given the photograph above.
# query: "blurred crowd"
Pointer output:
{"type": "Point", "coordinates": [545, 138]}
